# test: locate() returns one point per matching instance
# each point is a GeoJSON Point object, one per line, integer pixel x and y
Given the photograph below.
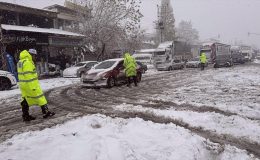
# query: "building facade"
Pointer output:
{"type": "Point", "coordinates": [24, 27]}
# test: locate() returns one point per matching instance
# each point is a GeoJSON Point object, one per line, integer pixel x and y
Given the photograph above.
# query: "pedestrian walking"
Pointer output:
{"type": "Point", "coordinates": [130, 69]}
{"type": "Point", "coordinates": [203, 60]}
{"type": "Point", "coordinates": [32, 93]}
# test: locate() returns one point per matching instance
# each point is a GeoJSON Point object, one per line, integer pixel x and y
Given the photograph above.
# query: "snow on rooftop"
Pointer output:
{"type": "Point", "coordinates": [39, 30]}
{"type": "Point", "coordinates": [166, 44]}
{"type": "Point", "coordinates": [145, 50]}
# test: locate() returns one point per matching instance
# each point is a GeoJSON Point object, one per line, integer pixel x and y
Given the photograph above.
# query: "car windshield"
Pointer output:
{"type": "Point", "coordinates": [196, 59]}
{"type": "Point", "coordinates": [80, 64]}
{"type": "Point", "coordinates": [105, 65]}
{"type": "Point", "coordinates": [142, 58]}
{"type": "Point", "coordinates": [159, 53]}
{"type": "Point", "coordinates": [90, 64]}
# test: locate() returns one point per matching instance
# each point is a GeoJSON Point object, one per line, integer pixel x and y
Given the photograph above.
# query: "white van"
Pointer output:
{"type": "Point", "coordinates": [144, 58]}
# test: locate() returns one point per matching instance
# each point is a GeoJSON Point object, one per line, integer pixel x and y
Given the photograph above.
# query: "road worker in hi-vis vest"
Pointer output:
{"type": "Point", "coordinates": [32, 93]}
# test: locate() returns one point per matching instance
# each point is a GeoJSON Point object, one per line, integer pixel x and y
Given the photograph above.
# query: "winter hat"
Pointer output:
{"type": "Point", "coordinates": [32, 51]}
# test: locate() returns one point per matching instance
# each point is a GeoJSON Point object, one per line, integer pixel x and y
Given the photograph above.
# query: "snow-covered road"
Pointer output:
{"type": "Point", "coordinates": [187, 114]}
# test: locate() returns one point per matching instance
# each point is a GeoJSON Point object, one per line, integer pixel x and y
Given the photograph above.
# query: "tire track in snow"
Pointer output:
{"type": "Point", "coordinates": [68, 101]}
{"type": "Point", "coordinates": [224, 139]}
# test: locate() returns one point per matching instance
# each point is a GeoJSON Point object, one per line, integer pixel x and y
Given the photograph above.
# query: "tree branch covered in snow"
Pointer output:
{"type": "Point", "coordinates": [112, 25]}
{"type": "Point", "coordinates": [186, 32]}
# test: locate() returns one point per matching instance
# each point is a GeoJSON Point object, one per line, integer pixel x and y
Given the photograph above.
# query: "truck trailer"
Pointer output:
{"type": "Point", "coordinates": [217, 54]}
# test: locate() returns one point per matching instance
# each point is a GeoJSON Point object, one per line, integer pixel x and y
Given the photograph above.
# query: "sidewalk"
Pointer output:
{"type": "Point", "coordinates": [46, 84]}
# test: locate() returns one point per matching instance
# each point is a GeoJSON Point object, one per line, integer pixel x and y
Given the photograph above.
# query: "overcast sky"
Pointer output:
{"type": "Point", "coordinates": [231, 19]}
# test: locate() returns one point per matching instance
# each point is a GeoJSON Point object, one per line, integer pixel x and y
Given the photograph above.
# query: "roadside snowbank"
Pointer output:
{"type": "Point", "coordinates": [233, 89]}
{"type": "Point", "coordinates": [232, 125]}
{"type": "Point", "coordinates": [46, 84]}
{"type": "Point", "coordinates": [103, 138]}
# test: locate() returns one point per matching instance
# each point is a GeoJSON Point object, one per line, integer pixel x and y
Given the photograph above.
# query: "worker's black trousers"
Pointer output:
{"type": "Point", "coordinates": [129, 80]}
{"type": "Point", "coordinates": [202, 66]}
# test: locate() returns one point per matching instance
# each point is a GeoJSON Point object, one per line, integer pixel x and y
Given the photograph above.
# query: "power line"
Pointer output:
{"type": "Point", "coordinates": [257, 34]}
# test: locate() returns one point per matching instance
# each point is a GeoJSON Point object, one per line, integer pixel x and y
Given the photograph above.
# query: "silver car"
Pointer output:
{"type": "Point", "coordinates": [7, 80]}
{"type": "Point", "coordinates": [193, 63]}
{"type": "Point", "coordinates": [177, 64]}
{"type": "Point", "coordinates": [78, 69]}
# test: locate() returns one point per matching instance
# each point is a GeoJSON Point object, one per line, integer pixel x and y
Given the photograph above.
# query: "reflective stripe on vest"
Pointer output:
{"type": "Point", "coordinates": [29, 80]}
{"type": "Point", "coordinates": [29, 72]}
{"type": "Point", "coordinates": [36, 97]}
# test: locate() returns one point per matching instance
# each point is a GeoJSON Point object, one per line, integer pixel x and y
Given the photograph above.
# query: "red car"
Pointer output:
{"type": "Point", "coordinates": [108, 73]}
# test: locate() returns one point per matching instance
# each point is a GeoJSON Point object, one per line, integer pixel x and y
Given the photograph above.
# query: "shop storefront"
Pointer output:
{"type": "Point", "coordinates": [55, 47]}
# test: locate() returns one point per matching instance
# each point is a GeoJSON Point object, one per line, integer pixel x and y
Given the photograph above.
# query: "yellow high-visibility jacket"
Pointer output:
{"type": "Point", "coordinates": [203, 58]}
{"type": "Point", "coordinates": [130, 65]}
{"type": "Point", "coordinates": [28, 80]}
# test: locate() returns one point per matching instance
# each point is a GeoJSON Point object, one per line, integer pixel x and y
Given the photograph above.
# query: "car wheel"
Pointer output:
{"type": "Point", "coordinates": [228, 64]}
{"type": "Point", "coordinates": [139, 77]}
{"type": "Point", "coordinates": [5, 83]}
{"type": "Point", "coordinates": [80, 74]}
{"type": "Point", "coordinates": [111, 82]}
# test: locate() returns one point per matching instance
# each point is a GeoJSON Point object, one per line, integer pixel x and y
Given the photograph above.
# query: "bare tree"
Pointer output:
{"type": "Point", "coordinates": [186, 32]}
{"type": "Point", "coordinates": [112, 25]}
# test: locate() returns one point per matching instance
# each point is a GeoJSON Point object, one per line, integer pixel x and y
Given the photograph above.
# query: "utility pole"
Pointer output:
{"type": "Point", "coordinates": [161, 22]}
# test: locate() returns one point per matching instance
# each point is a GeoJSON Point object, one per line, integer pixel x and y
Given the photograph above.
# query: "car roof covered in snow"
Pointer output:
{"type": "Point", "coordinates": [87, 61]}
{"type": "Point", "coordinates": [115, 59]}
{"type": "Point", "coordinates": [145, 50]}
{"type": "Point", "coordinates": [166, 44]}
{"type": "Point", "coordinates": [143, 55]}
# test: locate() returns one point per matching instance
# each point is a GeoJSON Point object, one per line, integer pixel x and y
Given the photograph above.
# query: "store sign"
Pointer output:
{"type": "Point", "coordinates": [13, 38]}
{"type": "Point", "coordinates": [65, 41]}
{"type": "Point", "coordinates": [25, 39]}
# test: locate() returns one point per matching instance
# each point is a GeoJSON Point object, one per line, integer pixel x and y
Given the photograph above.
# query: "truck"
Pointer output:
{"type": "Point", "coordinates": [170, 55]}
{"type": "Point", "coordinates": [163, 56]}
{"type": "Point", "coordinates": [144, 56]}
{"type": "Point", "coordinates": [236, 54]}
{"type": "Point", "coordinates": [218, 54]}
{"type": "Point", "coordinates": [247, 53]}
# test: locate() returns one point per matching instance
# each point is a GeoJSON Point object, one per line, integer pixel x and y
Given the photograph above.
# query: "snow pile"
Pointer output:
{"type": "Point", "coordinates": [103, 138]}
{"type": "Point", "coordinates": [229, 89]}
{"type": "Point", "coordinates": [46, 84]}
{"type": "Point", "coordinates": [229, 125]}
{"type": "Point", "coordinates": [257, 61]}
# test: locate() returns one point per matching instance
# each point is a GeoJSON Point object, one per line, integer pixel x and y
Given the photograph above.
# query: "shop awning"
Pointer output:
{"type": "Point", "coordinates": [39, 30]}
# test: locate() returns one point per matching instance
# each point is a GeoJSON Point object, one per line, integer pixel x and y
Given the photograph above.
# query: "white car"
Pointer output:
{"type": "Point", "coordinates": [193, 63]}
{"type": "Point", "coordinates": [164, 66]}
{"type": "Point", "coordinates": [108, 73]}
{"type": "Point", "coordinates": [78, 69]}
{"type": "Point", "coordinates": [7, 80]}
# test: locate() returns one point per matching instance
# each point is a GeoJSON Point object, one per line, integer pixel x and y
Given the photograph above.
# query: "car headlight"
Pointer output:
{"type": "Point", "coordinates": [104, 76]}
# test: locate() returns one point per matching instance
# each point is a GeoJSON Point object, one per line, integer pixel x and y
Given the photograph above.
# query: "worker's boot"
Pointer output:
{"type": "Point", "coordinates": [46, 113]}
{"type": "Point", "coordinates": [25, 109]}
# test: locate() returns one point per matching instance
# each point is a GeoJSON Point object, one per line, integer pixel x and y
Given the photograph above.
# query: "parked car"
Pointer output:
{"type": "Point", "coordinates": [78, 69]}
{"type": "Point", "coordinates": [108, 73]}
{"type": "Point", "coordinates": [7, 80]}
{"type": "Point", "coordinates": [143, 66]}
{"type": "Point", "coordinates": [164, 66]}
{"type": "Point", "coordinates": [193, 63]}
{"type": "Point", "coordinates": [177, 64]}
